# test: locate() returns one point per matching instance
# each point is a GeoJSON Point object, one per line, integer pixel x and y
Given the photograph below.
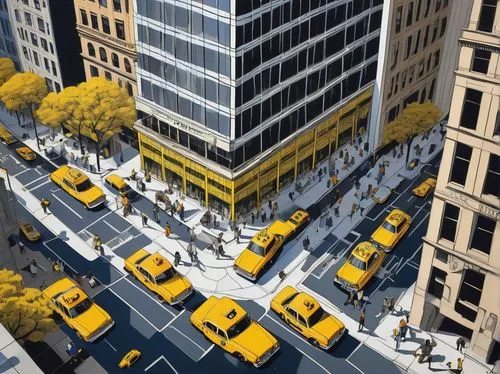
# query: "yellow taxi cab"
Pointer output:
{"type": "Point", "coordinates": [157, 273]}
{"type": "Point", "coordinates": [425, 187]}
{"type": "Point", "coordinates": [260, 252]}
{"type": "Point", "coordinates": [29, 231]}
{"type": "Point", "coordinates": [79, 311]}
{"type": "Point", "coordinates": [26, 153]}
{"type": "Point", "coordinates": [361, 265]}
{"type": "Point", "coordinates": [390, 232]}
{"type": "Point", "coordinates": [227, 324]}
{"type": "Point", "coordinates": [304, 314]}
{"type": "Point", "coordinates": [129, 359]}
{"type": "Point", "coordinates": [6, 136]}
{"type": "Point", "coordinates": [298, 219]}
{"type": "Point", "coordinates": [117, 183]}
{"type": "Point", "coordinates": [78, 185]}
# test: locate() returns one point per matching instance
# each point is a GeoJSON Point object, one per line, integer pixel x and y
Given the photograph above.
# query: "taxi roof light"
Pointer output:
{"type": "Point", "coordinates": [158, 261]}
{"type": "Point", "coordinates": [231, 314]}
{"type": "Point", "coordinates": [309, 304]}
{"type": "Point", "coordinates": [71, 299]}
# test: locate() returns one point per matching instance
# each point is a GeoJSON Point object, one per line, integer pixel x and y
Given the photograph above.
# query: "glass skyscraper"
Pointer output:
{"type": "Point", "coordinates": [237, 98]}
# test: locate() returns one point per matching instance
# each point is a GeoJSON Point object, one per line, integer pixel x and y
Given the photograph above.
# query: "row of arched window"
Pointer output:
{"type": "Point", "coordinates": [104, 57]}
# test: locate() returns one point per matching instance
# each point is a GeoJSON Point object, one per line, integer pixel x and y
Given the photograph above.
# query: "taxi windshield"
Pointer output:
{"type": "Point", "coordinates": [239, 327]}
{"type": "Point", "coordinates": [293, 221]}
{"type": "Point", "coordinates": [257, 249]}
{"type": "Point", "coordinates": [316, 316]}
{"type": "Point", "coordinates": [28, 228]}
{"type": "Point", "coordinates": [165, 276]}
{"type": "Point", "coordinates": [389, 227]}
{"type": "Point", "coordinates": [84, 186]}
{"type": "Point", "coordinates": [80, 308]}
{"type": "Point", "coordinates": [356, 262]}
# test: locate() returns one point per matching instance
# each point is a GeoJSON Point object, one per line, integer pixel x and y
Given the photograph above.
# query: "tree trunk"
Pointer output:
{"type": "Point", "coordinates": [18, 116]}
{"type": "Point", "coordinates": [80, 141]}
{"type": "Point", "coordinates": [34, 126]}
{"type": "Point", "coordinates": [98, 155]}
{"type": "Point", "coordinates": [408, 143]}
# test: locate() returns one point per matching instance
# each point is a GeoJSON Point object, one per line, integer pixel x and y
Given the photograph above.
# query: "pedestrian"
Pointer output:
{"type": "Point", "coordinates": [425, 350]}
{"type": "Point", "coordinates": [270, 205]}
{"type": "Point", "coordinates": [263, 216]}
{"type": "Point", "coordinates": [56, 268]}
{"type": "Point", "coordinates": [144, 219]}
{"type": "Point", "coordinates": [397, 338]}
{"type": "Point", "coordinates": [22, 249]}
{"type": "Point", "coordinates": [356, 301]}
{"type": "Point", "coordinates": [156, 212]}
{"type": "Point", "coordinates": [391, 305]}
{"type": "Point", "coordinates": [272, 215]}
{"type": "Point", "coordinates": [350, 298]}
{"type": "Point", "coordinates": [290, 196]}
{"type": "Point", "coordinates": [125, 210]}
{"type": "Point", "coordinates": [216, 223]}
{"type": "Point", "coordinates": [172, 210]}
{"type": "Point", "coordinates": [362, 317]}
{"type": "Point", "coordinates": [252, 217]}
{"type": "Point", "coordinates": [237, 233]}
{"type": "Point", "coordinates": [133, 174]}
{"type": "Point", "coordinates": [304, 243]}
{"type": "Point", "coordinates": [385, 306]}
{"type": "Point", "coordinates": [191, 252]}
{"type": "Point", "coordinates": [45, 203]}
{"type": "Point", "coordinates": [460, 344]}
{"type": "Point", "coordinates": [71, 350]}
{"type": "Point", "coordinates": [168, 230]}
{"type": "Point", "coordinates": [33, 266]}
{"type": "Point", "coordinates": [177, 258]}
{"type": "Point", "coordinates": [181, 212]}
{"type": "Point", "coordinates": [96, 242]}
{"type": "Point", "coordinates": [459, 365]}
{"type": "Point", "coordinates": [220, 250]}
{"type": "Point", "coordinates": [403, 329]}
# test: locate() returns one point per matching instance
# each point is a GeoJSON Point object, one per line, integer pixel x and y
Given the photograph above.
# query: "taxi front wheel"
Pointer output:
{"type": "Point", "coordinates": [240, 357]}
{"type": "Point", "coordinates": [314, 343]}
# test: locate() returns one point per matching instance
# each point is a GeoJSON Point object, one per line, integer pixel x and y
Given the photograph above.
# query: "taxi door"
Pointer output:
{"type": "Point", "coordinates": [292, 319]}
{"type": "Point", "coordinates": [211, 332]}
{"type": "Point", "coordinates": [145, 278]}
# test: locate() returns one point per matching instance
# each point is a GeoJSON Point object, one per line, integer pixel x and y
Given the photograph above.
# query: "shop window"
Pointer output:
{"type": "Point", "coordinates": [481, 60]}
{"type": "Point", "coordinates": [450, 222]}
{"type": "Point", "coordinates": [470, 109]}
{"type": "Point", "coordinates": [491, 183]}
{"type": "Point", "coordinates": [460, 166]}
{"type": "Point", "coordinates": [437, 282]}
{"type": "Point", "coordinates": [487, 15]}
{"type": "Point", "coordinates": [470, 294]}
{"type": "Point", "coordinates": [483, 234]}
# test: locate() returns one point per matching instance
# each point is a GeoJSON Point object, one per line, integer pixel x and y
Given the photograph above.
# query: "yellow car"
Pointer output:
{"type": "Point", "coordinates": [227, 324]}
{"type": "Point", "coordinates": [78, 185]}
{"type": "Point", "coordinates": [157, 273]}
{"type": "Point", "coordinates": [79, 311]}
{"type": "Point", "coordinates": [425, 187]}
{"type": "Point", "coordinates": [29, 231]}
{"type": "Point", "coordinates": [390, 232]}
{"type": "Point", "coordinates": [361, 265]}
{"type": "Point", "coordinates": [26, 153]}
{"type": "Point", "coordinates": [117, 183]}
{"type": "Point", "coordinates": [304, 314]}
{"type": "Point", "coordinates": [129, 359]}
{"type": "Point", "coordinates": [5, 135]}
{"type": "Point", "coordinates": [298, 219]}
{"type": "Point", "coordinates": [259, 253]}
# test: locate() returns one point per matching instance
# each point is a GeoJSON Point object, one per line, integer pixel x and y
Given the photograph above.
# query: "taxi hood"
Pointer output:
{"type": "Point", "coordinates": [92, 319]}
{"type": "Point", "coordinates": [175, 286]}
{"type": "Point", "coordinates": [255, 339]}
{"type": "Point", "coordinates": [249, 261]}
{"type": "Point", "coordinates": [328, 326]}
{"type": "Point", "coordinates": [349, 273]}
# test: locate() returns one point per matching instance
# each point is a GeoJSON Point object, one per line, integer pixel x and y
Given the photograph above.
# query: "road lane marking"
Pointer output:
{"type": "Point", "coordinates": [421, 221]}
{"type": "Point", "coordinates": [40, 185]}
{"type": "Point", "coordinates": [24, 171]}
{"type": "Point", "coordinates": [109, 285]}
{"type": "Point", "coordinates": [158, 359]}
{"type": "Point", "coordinates": [58, 257]}
{"type": "Point", "coordinates": [15, 160]}
{"type": "Point", "coordinates": [131, 307]}
{"type": "Point", "coordinates": [313, 360]}
{"type": "Point", "coordinates": [172, 320]}
{"type": "Point", "coordinates": [354, 366]}
{"type": "Point", "coordinates": [188, 338]}
{"type": "Point", "coordinates": [37, 171]}
{"type": "Point", "coordinates": [412, 265]}
{"type": "Point", "coordinates": [67, 206]}
{"type": "Point", "coordinates": [152, 298]}
{"type": "Point", "coordinates": [206, 352]}
{"type": "Point", "coordinates": [35, 180]}
{"type": "Point", "coordinates": [111, 226]}
{"type": "Point", "coordinates": [354, 351]}
{"type": "Point", "coordinates": [93, 223]}
{"type": "Point", "coordinates": [114, 349]}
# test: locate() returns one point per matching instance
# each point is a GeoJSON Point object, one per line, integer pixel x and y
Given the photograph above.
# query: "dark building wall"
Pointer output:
{"type": "Point", "coordinates": [67, 42]}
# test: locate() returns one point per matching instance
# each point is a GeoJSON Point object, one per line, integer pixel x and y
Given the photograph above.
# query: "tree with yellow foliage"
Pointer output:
{"type": "Point", "coordinates": [7, 69]}
{"type": "Point", "coordinates": [24, 91]}
{"type": "Point", "coordinates": [416, 119]}
{"type": "Point", "coordinates": [24, 312]}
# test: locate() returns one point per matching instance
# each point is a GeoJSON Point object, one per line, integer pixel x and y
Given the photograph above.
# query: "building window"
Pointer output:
{"type": "Point", "coordinates": [18, 15]}
{"type": "Point", "coordinates": [129, 89]}
{"type": "Point", "coordinates": [426, 36]}
{"type": "Point", "coordinates": [460, 166]}
{"type": "Point", "coordinates": [481, 61]}
{"type": "Point", "coordinates": [103, 55]}
{"type": "Point", "coordinates": [417, 42]}
{"type": "Point", "coordinates": [115, 60]}
{"type": "Point", "coordinates": [487, 15]}
{"type": "Point", "coordinates": [120, 30]}
{"type": "Point", "coordinates": [470, 109]}
{"type": "Point", "coordinates": [417, 15]}
{"type": "Point", "coordinates": [443, 27]}
{"type": "Point", "coordinates": [37, 4]}
{"type": "Point", "coordinates": [117, 6]}
{"type": "Point", "coordinates": [94, 21]}
{"type": "Point", "coordinates": [470, 294]}
{"type": "Point", "coordinates": [438, 5]}
{"type": "Point", "coordinates": [409, 16]}
{"type": "Point", "coordinates": [450, 222]}
{"type": "Point", "coordinates": [105, 25]}
{"type": "Point", "coordinates": [128, 68]}
{"type": "Point", "coordinates": [91, 49]}
{"type": "Point", "coordinates": [54, 70]}
{"type": "Point", "coordinates": [107, 75]}
{"type": "Point", "coordinates": [47, 65]}
{"type": "Point", "coordinates": [483, 234]}
{"type": "Point", "coordinates": [399, 16]}
{"type": "Point", "coordinates": [437, 282]}
{"type": "Point", "coordinates": [103, 3]}
{"type": "Point", "coordinates": [41, 24]}
{"type": "Point", "coordinates": [27, 18]}
{"type": "Point", "coordinates": [436, 58]}
{"type": "Point", "coordinates": [34, 39]}
{"type": "Point", "coordinates": [427, 8]}
{"type": "Point", "coordinates": [35, 58]}
{"type": "Point", "coordinates": [441, 255]}
{"type": "Point", "coordinates": [491, 183]}
{"type": "Point", "coordinates": [408, 46]}
{"type": "Point", "coordinates": [93, 71]}
{"type": "Point", "coordinates": [83, 16]}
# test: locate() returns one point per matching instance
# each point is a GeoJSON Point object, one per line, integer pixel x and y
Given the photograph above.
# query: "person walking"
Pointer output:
{"type": "Point", "coordinates": [168, 230]}
{"type": "Point", "coordinates": [350, 298]}
{"type": "Point", "coordinates": [144, 219]}
{"type": "Point", "coordinates": [460, 344]}
{"type": "Point", "coordinates": [403, 329]}
{"type": "Point", "coordinates": [181, 211]}
{"type": "Point", "coordinates": [425, 351]}
{"type": "Point", "coordinates": [397, 338]}
{"type": "Point", "coordinates": [263, 216]}
{"type": "Point", "coordinates": [385, 306]}
{"type": "Point", "coordinates": [362, 317]}
{"type": "Point", "coordinates": [156, 212]}
{"type": "Point", "coordinates": [460, 366]}
{"type": "Point", "coordinates": [33, 266]}
{"type": "Point", "coordinates": [22, 249]}
{"type": "Point", "coordinates": [237, 232]}
{"type": "Point", "coordinates": [45, 203]}
{"type": "Point", "coordinates": [270, 205]}
{"type": "Point", "coordinates": [177, 258]}
{"type": "Point", "coordinates": [252, 217]}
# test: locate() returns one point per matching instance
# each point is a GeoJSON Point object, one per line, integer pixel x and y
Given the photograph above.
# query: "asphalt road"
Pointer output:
{"type": "Point", "coordinates": [169, 344]}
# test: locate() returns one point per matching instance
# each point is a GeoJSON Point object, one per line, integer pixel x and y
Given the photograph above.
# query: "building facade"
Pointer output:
{"type": "Point", "coordinates": [459, 275]}
{"type": "Point", "coordinates": [47, 41]}
{"type": "Point", "coordinates": [106, 32]}
{"type": "Point", "coordinates": [239, 98]}
{"type": "Point", "coordinates": [7, 38]}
